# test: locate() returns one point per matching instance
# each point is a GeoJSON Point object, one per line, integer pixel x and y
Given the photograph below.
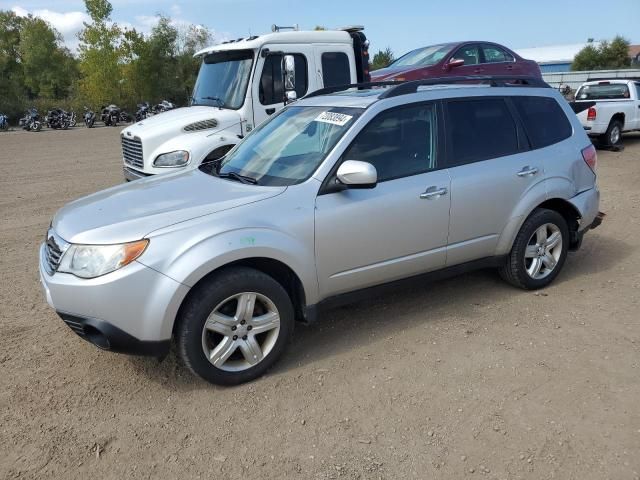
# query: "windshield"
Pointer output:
{"type": "Point", "coordinates": [223, 78]}
{"type": "Point", "coordinates": [603, 91]}
{"type": "Point", "coordinates": [423, 56]}
{"type": "Point", "coordinates": [287, 149]}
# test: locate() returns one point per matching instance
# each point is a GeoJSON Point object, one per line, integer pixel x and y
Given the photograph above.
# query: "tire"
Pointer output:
{"type": "Point", "coordinates": [613, 136]}
{"type": "Point", "coordinates": [525, 256]}
{"type": "Point", "coordinates": [229, 340]}
{"type": "Point", "coordinates": [36, 126]}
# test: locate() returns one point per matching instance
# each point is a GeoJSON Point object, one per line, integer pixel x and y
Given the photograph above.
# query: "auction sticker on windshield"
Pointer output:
{"type": "Point", "coordinates": [334, 118]}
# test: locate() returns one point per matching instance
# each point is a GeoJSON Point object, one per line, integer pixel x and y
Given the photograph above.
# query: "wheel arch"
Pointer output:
{"type": "Point", "coordinates": [618, 116]}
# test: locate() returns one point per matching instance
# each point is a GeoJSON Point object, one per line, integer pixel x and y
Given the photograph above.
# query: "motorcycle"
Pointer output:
{"type": "Point", "coordinates": [72, 118]}
{"type": "Point", "coordinates": [57, 119]}
{"type": "Point", "coordinates": [89, 117]}
{"type": "Point", "coordinates": [31, 120]}
{"type": "Point", "coordinates": [110, 115]}
{"type": "Point", "coordinates": [125, 117]}
{"type": "Point", "coordinates": [163, 106]}
{"type": "Point", "coordinates": [4, 122]}
{"type": "Point", "coordinates": [143, 111]}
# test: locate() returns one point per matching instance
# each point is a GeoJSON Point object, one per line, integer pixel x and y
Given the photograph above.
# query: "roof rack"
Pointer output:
{"type": "Point", "coordinates": [359, 86]}
{"type": "Point", "coordinates": [411, 86]}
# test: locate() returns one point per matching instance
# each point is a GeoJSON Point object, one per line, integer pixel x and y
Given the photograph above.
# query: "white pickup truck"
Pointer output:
{"type": "Point", "coordinates": [239, 85]}
{"type": "Point", "coordinates": [616, 109]}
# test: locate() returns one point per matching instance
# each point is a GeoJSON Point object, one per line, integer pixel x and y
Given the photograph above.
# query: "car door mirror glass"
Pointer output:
{"type": "Point", "coordinates": [356, 174]}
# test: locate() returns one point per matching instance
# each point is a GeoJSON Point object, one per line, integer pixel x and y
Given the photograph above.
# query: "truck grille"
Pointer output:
{"type": "Point", "coordinates": [54, 247]}
{"type": "Point", "coordinates": [132, 152]}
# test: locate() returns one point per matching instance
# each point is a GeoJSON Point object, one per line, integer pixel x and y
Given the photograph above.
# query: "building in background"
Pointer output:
{"type": "Point", "coordinates": [558, 58]}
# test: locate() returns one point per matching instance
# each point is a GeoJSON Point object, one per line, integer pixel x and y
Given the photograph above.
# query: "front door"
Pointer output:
{"type": "Point", "coordinates": [397, 229]}
{"type": "Point", "coordinates": [471, 55]}
{"type": "Point", "coordinates": [268, 90]}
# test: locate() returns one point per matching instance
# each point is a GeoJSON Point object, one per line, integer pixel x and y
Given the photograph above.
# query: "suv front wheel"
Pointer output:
{"type": "Point", "coordinates": [234, 326]}
{"type": "Point", "coordinates": [539, 251]}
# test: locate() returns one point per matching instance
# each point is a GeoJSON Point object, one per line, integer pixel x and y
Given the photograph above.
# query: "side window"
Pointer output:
{"type": "Point", "coordinates": [494, 54]}
{"type": "Point", "coordinates": [271, 88]}
{"type": "Point", "coordinates": [638, 90]}
{"type": "Point", "coordinates": [544, 120]}
{"type": "Point", "coordinates": [335, 69]}
{"type": "Point", "coordinates": [399, 142]}
{"type": "Point", "coordinates": [480, 129]}
{"type": "Point", "coordinates": [469, 53]}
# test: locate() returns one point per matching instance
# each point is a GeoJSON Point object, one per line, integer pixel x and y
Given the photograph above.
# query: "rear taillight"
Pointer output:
{"type": "Point", "coordinates": [590, 157]}
{"type": "Point", "coordinates": [591, 114]}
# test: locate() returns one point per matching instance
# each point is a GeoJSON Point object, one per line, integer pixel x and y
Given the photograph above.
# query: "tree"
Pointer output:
{"type": "Point", "coordinates": [606, 55]}
{"type": "Point", "coordinates": [11, 74]}
{"type": "Point", "coordinates": [48, 67]}
{"type": "Point", "coordinates": [382, 59]}
{"type": "Point", "coordinates": [100, 56]}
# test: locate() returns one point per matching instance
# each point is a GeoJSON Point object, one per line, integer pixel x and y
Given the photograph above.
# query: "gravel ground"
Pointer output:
{"type": "Point", "coordinates": [464, 378]}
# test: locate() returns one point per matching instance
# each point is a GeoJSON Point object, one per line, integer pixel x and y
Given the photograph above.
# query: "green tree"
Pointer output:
{"type": "Point", "coordinates": [48, 67]}
{"type": "Point", "coordinates": [606, 55]}
{"type": "Point", "coordinates": [382, 59]}
{"type": "Point", "coordinates": [11, 74]}
{"type": "Point", "coordinates": [100, 56]}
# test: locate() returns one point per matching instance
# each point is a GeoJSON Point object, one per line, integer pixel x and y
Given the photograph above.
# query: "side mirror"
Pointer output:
{"type": "Point", "coordinates": [289, 78]}
{"type": "Point", "coordinates": [356, 174]}
{"type": "Point", "coordinates": [455, 62]}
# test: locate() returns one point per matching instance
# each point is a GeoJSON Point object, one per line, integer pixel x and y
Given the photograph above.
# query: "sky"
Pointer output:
{"type": "Point", "coordinates": [401, 25]}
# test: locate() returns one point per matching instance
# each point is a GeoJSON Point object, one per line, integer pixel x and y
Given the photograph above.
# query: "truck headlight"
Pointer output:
{"type": "Point", "coordinates": [90, 261]}
{"type": "Point", "coordinates": [179, 158]}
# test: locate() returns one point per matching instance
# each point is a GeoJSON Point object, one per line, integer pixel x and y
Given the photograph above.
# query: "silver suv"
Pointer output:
{"type": "Point", "coordinates": [341, 192]}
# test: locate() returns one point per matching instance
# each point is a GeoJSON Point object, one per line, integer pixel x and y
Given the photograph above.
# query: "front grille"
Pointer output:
{"type": "Point", "coordinates": [75, 326]}
{"type": "Point", "coordinates": [132, 152]}
{"type": "Point", "coordinates": [54, 248]}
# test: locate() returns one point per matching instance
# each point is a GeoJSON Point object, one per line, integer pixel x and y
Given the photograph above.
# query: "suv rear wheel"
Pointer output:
{"type": "Point", "coordinates": [539, 251]}
{"type": "Point", "coordinates": [234, 326]}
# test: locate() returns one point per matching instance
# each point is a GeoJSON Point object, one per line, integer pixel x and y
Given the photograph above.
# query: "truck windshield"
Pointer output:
{"type": "Point", "coordinates": [423, 56]}
{"type": "Point", "coordinates": [603, 91]}
{"type": "Point", "coordinates": [287, 149]}
{"type": "Point", "coordinates": [223, 79]}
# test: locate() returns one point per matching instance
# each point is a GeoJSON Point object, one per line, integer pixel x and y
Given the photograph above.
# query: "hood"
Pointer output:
{"type": "Point", "coordinates": [390, 72]}
{"type": "Point", "coordinates": [131, 211]}
{"type": "Point", "coordinates": [174, 121]}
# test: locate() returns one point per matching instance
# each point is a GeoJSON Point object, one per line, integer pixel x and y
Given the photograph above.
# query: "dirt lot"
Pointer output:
{"type": "Point", "coordinates": [465, 378]}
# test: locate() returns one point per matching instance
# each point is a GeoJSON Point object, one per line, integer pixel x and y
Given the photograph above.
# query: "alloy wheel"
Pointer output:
{"type": "Point", "coordinates": [543, 251]}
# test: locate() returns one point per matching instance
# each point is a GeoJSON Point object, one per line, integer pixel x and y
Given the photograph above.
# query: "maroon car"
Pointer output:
{"type": "Point", "coordinates": [457, 59]}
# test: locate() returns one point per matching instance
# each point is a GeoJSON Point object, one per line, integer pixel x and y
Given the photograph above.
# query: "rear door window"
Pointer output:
{"type": "Point", "coordinates": [544, 120]}
{"type": "Point", "coordinates": [495, 54]}
{"type": "Point", "coordinates": [335, 69]}
{"type": "Point", "coordinates": [480, 129]}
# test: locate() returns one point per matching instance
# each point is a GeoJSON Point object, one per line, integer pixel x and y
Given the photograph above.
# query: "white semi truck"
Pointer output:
{"type": "Point", "coordinates": [240, 84]}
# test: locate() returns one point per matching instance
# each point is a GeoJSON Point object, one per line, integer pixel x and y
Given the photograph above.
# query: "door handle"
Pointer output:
{"type": "Point", "coordinates": [433, 192]}
{"type": "Point", "coordinates": [270, 111]}
{"type": "Point", "coordinates": [509, 67]}
{"type": "Point", "coordinates": [527, 171]}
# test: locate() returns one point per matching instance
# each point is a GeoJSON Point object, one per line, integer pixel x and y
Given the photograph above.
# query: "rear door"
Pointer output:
{"type": "Point", "coordinates": [267, 88]}
{"type": "Point", "coordinates": [497, 61]}
{"type": "Point", "coordinates": [490, 172]}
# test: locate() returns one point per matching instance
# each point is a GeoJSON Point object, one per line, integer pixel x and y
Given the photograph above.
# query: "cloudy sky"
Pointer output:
{"type": "Point", "coordinates": [402, 25]}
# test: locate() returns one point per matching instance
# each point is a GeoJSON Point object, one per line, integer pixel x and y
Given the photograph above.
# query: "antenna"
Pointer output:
{"type": "Point", "coordinates": [279, 28]}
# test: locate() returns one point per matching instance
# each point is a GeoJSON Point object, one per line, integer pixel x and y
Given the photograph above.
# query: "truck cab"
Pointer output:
{"type": "Point", "coordinates": [240, 84]}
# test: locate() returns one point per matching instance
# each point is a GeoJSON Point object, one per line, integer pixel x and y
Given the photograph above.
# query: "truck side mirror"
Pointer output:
{"type": "Point", "coordinates": [289, 80]}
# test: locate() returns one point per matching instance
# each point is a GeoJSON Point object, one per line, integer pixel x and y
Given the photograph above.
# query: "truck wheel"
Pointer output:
{"type": "Point", "coordinates": [613, 136]}
{"type": "Point", "coordinates": [539, 251]}
{"type": "Point", "coordinates": [234, 326]}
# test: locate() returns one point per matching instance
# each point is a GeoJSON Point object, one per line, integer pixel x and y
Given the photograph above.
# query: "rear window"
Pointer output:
{"type": "Point", "coordinates": [603, 91]}
{"type": "Point", "coordinates": [544, 120]}
{"type": "Point", "coordinates": [480, 130]}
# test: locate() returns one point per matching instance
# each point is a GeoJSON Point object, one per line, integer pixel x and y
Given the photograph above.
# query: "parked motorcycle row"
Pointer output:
{"type": "Point", "coordinates": [59, 119]}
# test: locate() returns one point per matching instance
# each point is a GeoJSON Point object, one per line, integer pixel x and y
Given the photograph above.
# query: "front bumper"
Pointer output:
{"type": "Point", "coordinates": [131, 310]}
{"type": "Point", "coordinates": [130, 174]}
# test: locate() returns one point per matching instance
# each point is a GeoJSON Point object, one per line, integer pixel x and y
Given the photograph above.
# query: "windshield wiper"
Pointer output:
{"type": "Point", "coordinates": [240, 178]}
{"type": "Point", "coordinates": [215, 99]}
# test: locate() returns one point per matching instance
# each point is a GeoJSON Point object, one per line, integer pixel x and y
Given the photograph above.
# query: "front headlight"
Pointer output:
{"type": "Point", "coordinates": [90, 261]}
{"type": "Point", "coordinates": [178, 158]}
